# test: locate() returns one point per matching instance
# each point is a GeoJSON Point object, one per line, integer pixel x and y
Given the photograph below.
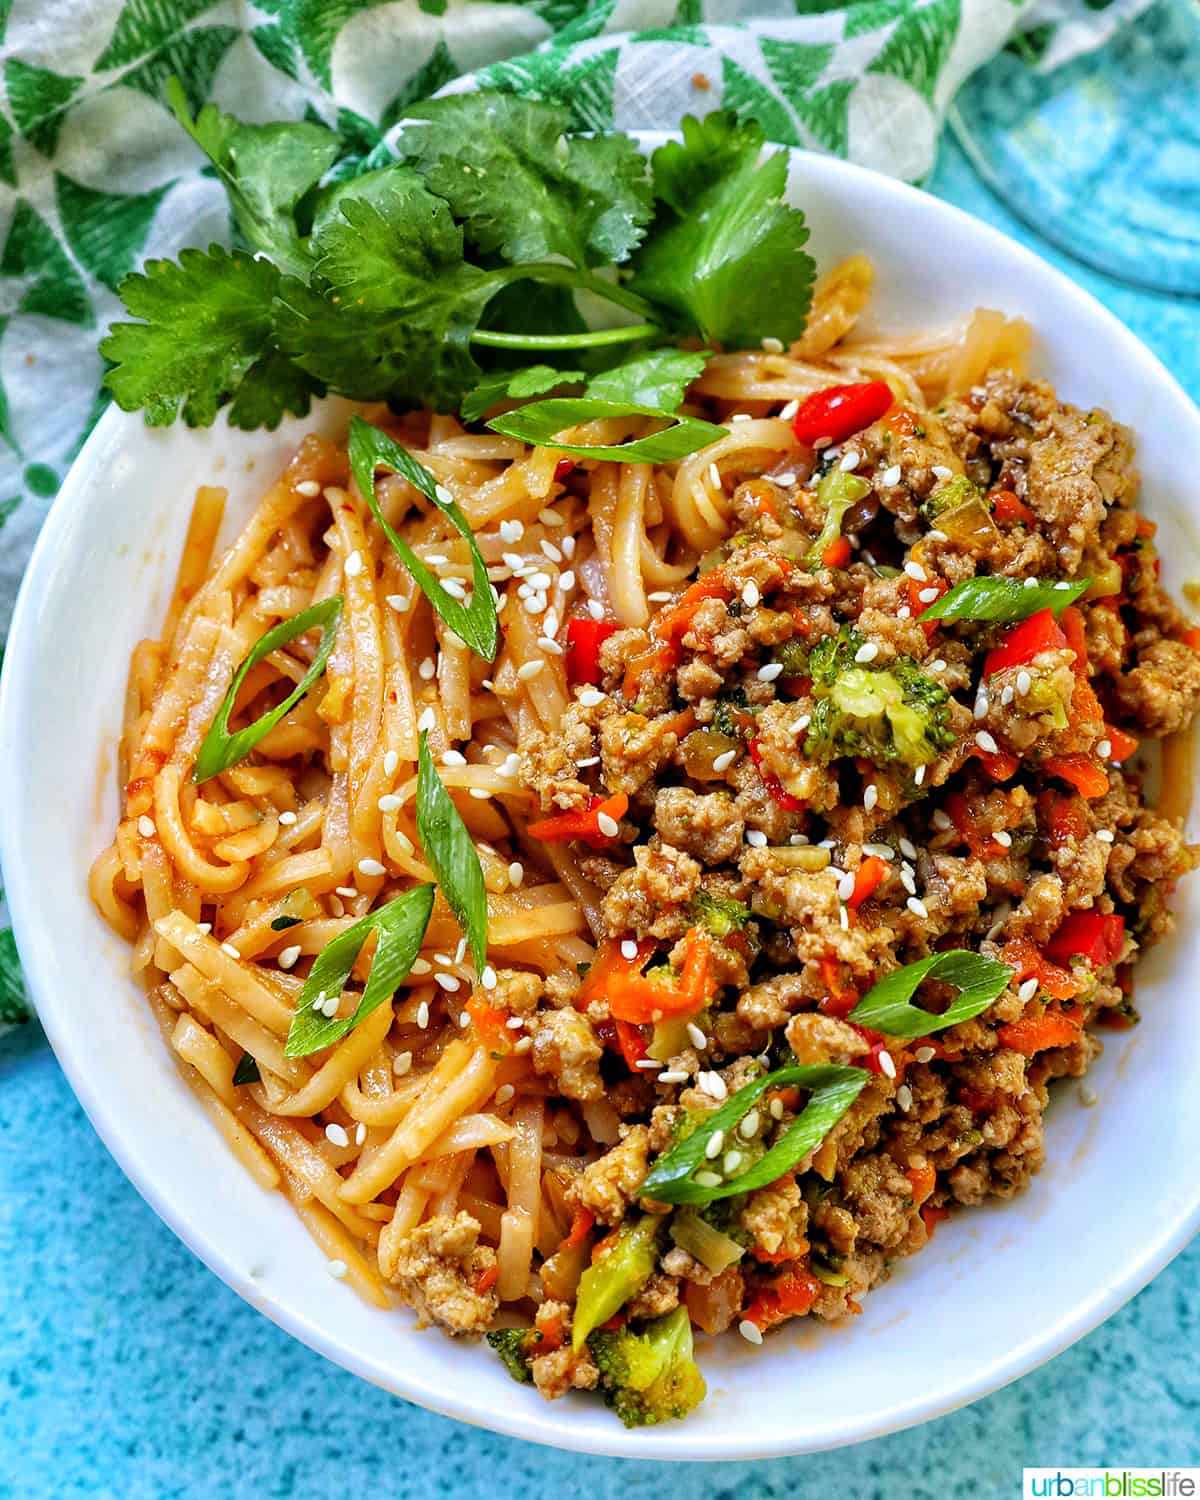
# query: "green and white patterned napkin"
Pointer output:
{"type": "Point", "coordinates": [95, 175]}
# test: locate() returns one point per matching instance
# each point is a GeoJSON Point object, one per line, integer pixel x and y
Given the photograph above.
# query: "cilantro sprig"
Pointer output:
{"type": "Point", "coordinates": [426, 279]}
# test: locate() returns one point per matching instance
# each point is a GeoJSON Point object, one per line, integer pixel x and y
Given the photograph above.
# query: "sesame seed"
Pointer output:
{"type": "Point", "coordinates": [915, 571]}
{"type": "Point", "coordinates": [924, 1054]}
{"type": "Point", "coordinates": [904, 1097]}
{"type": "Point", "coordinates": [891, 476]}
{"type": "Point", "coordinates": [1104, 749]}
{"type": "Point", "coordinates": [866, 653]}
{"type": "Point", "coordinates": [423, 1014]}
{"type": "Point", "coordinates": [336, 1268]}
{"type": "Point", "coordinates": [309, 488]}
{"type": "Point", "coordinates": [1064, 584]}
{"type": "Point", "coordinates": [941, 820]}
{"type": "Point", "coordinates": [801, 724]}
{"type": "Point", "coordinates": [529, 669]}
{"type": "Point", "coordinates": [715, 1145]}
{"type": "Point", "coordinates": [927, 596]}
{"type": "Point", "coordinates": [696, 1036]}
{"type": "Point", "coordinates": [1105, 835]}
{"type": "Point", "coordinates": [398, 602]}
{"type": "Point", "coordinates": [917, 906]}
{"type": "Point", "coordinates": [514, 1023]}
{"type": "Point", "coordinates": [886, 1065]}
{"type": "Point", "coordinates": [550, 517]}
{"type": "Point", "coordinates": [360, 1133]}
{"type": "Point", "coordinates": [750, 1331]}
{"type": "Point", "coordinates": [447, 982]}
{"type": "Point", "coordinates": [390, 761]}
{"type": "Point", "coordinates": [750, 594]}
{"type": "Point", "coordinates": [707, 1179]}
{"type": "Point", "coordinates": [550, 550]}
{"type": "Point", "coordinates": [548, 643]}
{"type": "Point", "coordinates": [318, 1002]}
{"type": "Point", "coordinates": [568, 550]}
{"type": "Point", "coordinates": [850, 460]}
{"type": "Point", "coordinates": [607, 825]}
{"type": "Point", "coordinates": [714, 476]}
{"type": "Point", "coordinates": [748, 1129]}
{"type": "Point", "coordinates": [919, 776]}
{"type": "Point", "coordinates": [336, 1135]}
{"type": "Point", "coordinates": [427, 669]}
{"type": "Point", "coordinates": [904, 613]}
{"type": "Point", "coordinates": [288, 956]}
{"type": "Point", "coordinates": [354, 564]}
{"type": "Point", "coordinates": [595, 609]}
{"type": "Point", "coordinates": [346, 890]}
{"type": "Point", "coordinates": [1027, 990]}
{"type": "Point", "coordinates": [488, 978]}
{"type": "Point", "coordinates": [504, 1093]}
{"type": "Point", "coordinates": [1024, 682]}
{"type": "Point", "coordinates": [673, 1076]}
{"type": "Point", "coordinates": [371, 867]}
{"type": "Point", "coordinates": [733, 1160]}
{"type": "Point", "coordinates": [230, 951]}
{"type": "Point", "coordinates": [421, 966]}
{"type": "Point", "coordinates": [908, 880]}
{"type": "Point", "coordinates": [1003, 838]}
{"type": "Point", "coordinates": [756, 838]}
{"type": "Point", "coordinates": [845, 887]}
{"type": "Point", "coordinates": [772, 346]}
{"type": "Point", "coordinates": [402, 1063]}
{"type": "Point", "coordinates": [940, 471]}
{"type": "Point", "coordinates": [512, 531]}
{"type": "Point", "coordinates": [591, 697]}
{"type": "Point", "coordinates": [723, 761]}
{"type": "Point", "coordinates": [427, 719]}
{"type": "Point", "coordinates": [775, 1109]}
{"type": "Point", "coordinates": [786, 413]}
{"type": "Point", "coordinates": [908, 848]}
{"type": "Point", "coordinates": [453, 758]}
{"type": "Point", "coordinates": [937, 666]}
{"type": "Point", "coordinates": [981, 706]}
{"type": "Point", "coordinates": [785, 481]}
{"type": "Point", "coordinates": [1006, 696]}
{"type": "Point", "coordinates": [870, 797]}
{"type": "Point", "coordinates": [566, 581]}
{"type": "Point", "coordinates": [628, 948]}
{"type": "Point", "coordinates": [287, 818]}
{"type": "Point", "coordinates": [516, 874]}
{"type": "Point", "coordinates": [646, 1063]}
{"type": "Point", "coordinates": [1031, 583]}
{"type": "Point", "coordinates": [480, 793]}
{"type": "Point", "coordinates": [403, 840]}
{"type": "Point", "coordinates": [588, 760]}
{"type": "Point", "coordinates": [844, 918]}
{"type": "Point", "coordinates": [986, 742]}
{"type": "Point", "coordinates": [461, 951]}
{"type": "Point", "coordinates": [146, 827]}
{"type": "Point", "coordinates": [770, 672]}
{"type": "Point", "coordinates": [455, 588]}
{"type": "Point", "coordinates": [389, 802]}
{"type": "Point", "coordinates": [712, 1084]}
{"type": "Point", "coordinates": [330, 1008]}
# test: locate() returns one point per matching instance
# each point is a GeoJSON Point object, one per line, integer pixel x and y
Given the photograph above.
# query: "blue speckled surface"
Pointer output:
{"type": "Point", "coordinates": [128, 1370]}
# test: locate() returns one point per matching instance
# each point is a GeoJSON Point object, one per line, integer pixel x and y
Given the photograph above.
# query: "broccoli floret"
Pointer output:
{"type": "Point", "coordinates": [949, 496]}
{"type": "Point", "coordinates": [792, 656]}
{"type": "Point", "coordinates": [720, 915]}
{"type": "Point", "coordinates": [512, 1345]}
{"type": "Point", "coordinates": [723, 720]}
{"type": "Point", "coordinates": [889, 715]}
{"type": "Point", "coordinates": [651, 1376]}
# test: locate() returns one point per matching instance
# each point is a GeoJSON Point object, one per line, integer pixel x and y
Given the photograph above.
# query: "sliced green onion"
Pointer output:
{"type": "Point", "coordinates": [246, 1071]}
{"type": "Point", "coordinates": [221, 749]}
{"type": "Point", "coordinates": [401, 926]}
{"type": "Point", "coordinates": [475, 624]}
{"type": "Point", "coordinates": [1004, 599]}
{"type": "Point", "coordinates": [542, 421]}
{"type": "Point", "coordinates": [682, 1174]}
{"type": "Point", "coordinates": [452, 856]}
{"type": "Point", "coordinates": [888, 1007]}
{"type": "Point", "coordinates": [715, 1251]}
{"type": "Point", "coordinates": [836, 493]}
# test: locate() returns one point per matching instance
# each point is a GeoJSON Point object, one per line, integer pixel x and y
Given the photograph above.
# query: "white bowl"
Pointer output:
{"type": "Point", "coordinates": [1000, 1290]}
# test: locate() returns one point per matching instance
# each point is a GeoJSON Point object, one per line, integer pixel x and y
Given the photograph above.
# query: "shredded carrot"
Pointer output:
{"type": "Point", "coordinates": [1009, 507]}
{"type": "Point", "coordinates": [931, 1217]}
{"type": "Point", "coordinates": [923, 1180]}
{"type": "Point", "coordinates": [491, 1024]}
{"type": "Point", "coordinates": [487, 1279]}
{"type": "Point", "coordinates": [1031, 963]}
{"type": "Point", "coordinates": [837, 554]}
{"type": "Point", "coordinates": [1082, 772]}
{"type": "Point", "coordinates": [581, 1227]}
{"type": "Point", "coordinates": [867, 878]}
{"type": "Point", "coordinates": [1035, 1033]}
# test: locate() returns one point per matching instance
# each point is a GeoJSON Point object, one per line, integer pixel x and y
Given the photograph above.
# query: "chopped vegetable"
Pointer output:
{"type": "Point", "coordinates": [513, 1345]}
{"type": "Point", "coordinates": [791, 1296]}
{"type": "Point", "coordinates": [588, 825]}
{"type": "Point", "coordinates": [999, 598]}
{"type": "Point", "coordinates": [651, 1376]}
{"type": "Point", "coordinates": [222, 749]}
{"type": "Point", "coordinates": [640, 1000]}
{"type": "Point", "coordinates": [704, 1242]}
{"type": "Point", "coordinates": [246, 1071]}
{"type": "Point", "coordinates": [887, 1006]}
{"type": "Point", "coordinates": [721, 915]}
{"type": "Point", "coordinates": [1121, 745]}
{"type": "Point", "coordinates": [451, 853]}
{"type": "Point", "coordinates": [541, 423]}
{"type": "Point", "coordinates": [1035, 1033]}
{"type": "Point", "coordinates": [1095, 936]}
{"type": "Point", "coordinates": [948, 496]}
{"type": "Point", "coordinates": [867, 878]}
{"type": "Point", "coordinates": [621, 1266]}
{"type": "Point", "coordinates": [1031, 963]}
{"type": "Point", "coordinates": [1086, 775]}
{"type": "Point", "coordinates": [836, 493]}
{"type": "Point", "coordinates": [1039, 632]}
{"type": "Point", "coordinates": [683, 1174]}
{"type": "Point", "coordinates": [585, 636]}
{"type": "Point", "coordinates": [779, 793]}
{"type": "Point", "coordinates": [839, 411]}
{"type": "Point", "coordinates": [1010, 508]}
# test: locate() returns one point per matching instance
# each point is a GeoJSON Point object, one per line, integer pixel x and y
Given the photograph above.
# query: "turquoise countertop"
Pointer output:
{"type": "Point", "coordinates": [128, 1370]}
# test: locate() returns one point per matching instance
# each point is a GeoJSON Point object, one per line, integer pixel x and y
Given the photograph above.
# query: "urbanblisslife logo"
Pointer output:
{"type": "Point", "coordinates": [1112, 1484]}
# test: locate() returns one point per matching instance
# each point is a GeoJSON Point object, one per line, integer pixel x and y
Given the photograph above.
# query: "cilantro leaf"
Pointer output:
{"type": "Point", "coordinates": [394, 305]}
{"type": "Point", "coordinates": [726, 256]}
{"type": "Point", "coordinates": [207, 338]}
{"type": "Point", "coordinates": [657, 377]}
{"type": "Point", "coordinates": [524, 187]}
{"type": "Point", "coordinates": [266, 170]}
{"type": "Point", "coordinates": [498, 385]}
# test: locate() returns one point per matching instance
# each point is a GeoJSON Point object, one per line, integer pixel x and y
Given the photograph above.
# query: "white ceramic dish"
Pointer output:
{"type": "Point", "coordinates": [1000, 1290]}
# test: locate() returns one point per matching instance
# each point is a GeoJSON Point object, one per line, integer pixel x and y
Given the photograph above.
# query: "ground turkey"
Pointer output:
{"type": "Point", "coordinates": [437, 1270]}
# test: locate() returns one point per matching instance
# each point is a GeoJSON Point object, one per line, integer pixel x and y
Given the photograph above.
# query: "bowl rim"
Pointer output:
{"type": "Point", "coordinates": [549, 1426]}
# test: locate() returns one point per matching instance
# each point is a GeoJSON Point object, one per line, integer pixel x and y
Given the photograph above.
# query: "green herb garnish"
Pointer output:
{"type": "Point", "coordinates": [1004, 599]}
{"type": "Point", "coordinates": [476, 623]}
{"type": "Point", "coordinates": [400, 926]}
{"type": "Point", "coordinates": [684, 1175]}
{"type": "Point", "coordinates": [541, 421]}
{"type": "Point", "coordinates": [887, 1006]}
{"type": "Point", "coordinates": [221, 749]}
{"type": "Point", "coordinates": [452, 855]}
{"type": "Point", "coordinates": [246, 1071]}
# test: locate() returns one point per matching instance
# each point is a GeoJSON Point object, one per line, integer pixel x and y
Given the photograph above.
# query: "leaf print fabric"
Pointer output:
{"type": "Point", "coordinates": [95, 175]}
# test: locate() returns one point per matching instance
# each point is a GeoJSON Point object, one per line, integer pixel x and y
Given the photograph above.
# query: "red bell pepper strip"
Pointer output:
{"type": "Point", "coordinates": [867, 878]}
{"type": "Point", "coordinates": [842, 998]}
{"type": "Point", "coordinates": [772, 782]}
{"type": "Point", "coordinates": [837, 554]}
{"type": "Point", "coordinates": [585, 636]}
{"type": "Point", "coordinates": [581, 1227]}
{"type": "Point", "coordinates": [563, 467]}
{"type": "Point", "coordinates": [641, 1001]}
{"type": "Point", "coordinates": [835, 413]}
{"type": "Point", "coordinates": [583, 825]}
{"type": "Point", "coordinates": [1096, 936]}
{"type": "Point", "coordinates": [609, 962]}
{"type": "Point", "coordinates": [999, 764]}
{"type": "Point", "coordinates": [982, 845]}
{"type": "Point", "coordinates": [931, 1217]}
{"type": "Point", "coordinates": [1008, 507]}
{"type": "Point", "coordinates": [1031, 963]}
{"type": "Point", "coordinates": [668, 628]}
{"type": "Point", "coordinates": [1063, 817]}
{"type": "Point", "coordinates": [1080, 771]}
{"type": "Point", "coordinates": [791, 1295]}
{"type": "Point", "coordinates": [1192, 637]}
{"type": "Point", "coordinates": [490, 1023]}
{"type": "Point", "coordinates": [1123, 745]}
{"type": "Point", "coordinates": [1025, 640]}
{"type": "Point", "coordinates": [1030, 1034]}
{"type": "Point", "coordinates": [923, 1181]}
{"type": "Point", "coordinates": [486, 1280]}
